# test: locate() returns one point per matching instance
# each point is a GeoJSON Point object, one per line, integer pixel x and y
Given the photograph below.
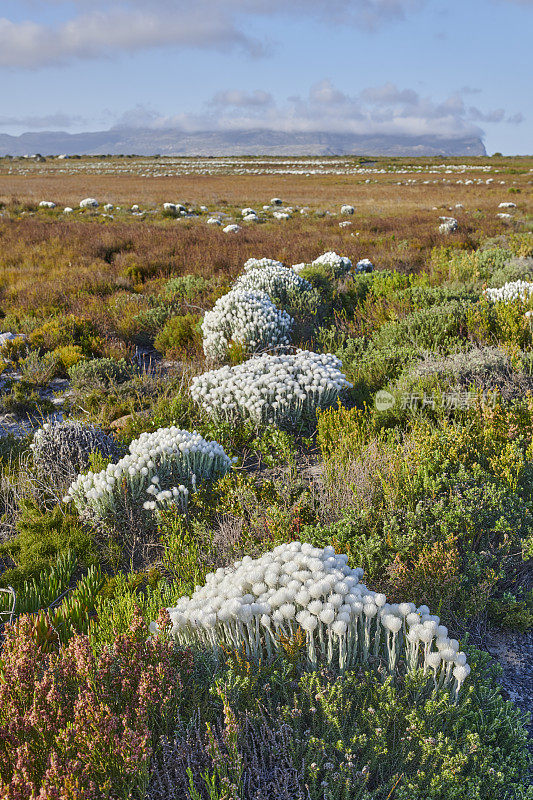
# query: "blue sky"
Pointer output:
{"type": "Point", "coordinates": [366, 66]}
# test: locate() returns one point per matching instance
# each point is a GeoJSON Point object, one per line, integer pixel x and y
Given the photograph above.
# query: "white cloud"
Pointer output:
{"type": "Point", "coordinates": [238, 98]}
{"type": "Point", "coordinates": [384, 109]}
{"type": "Point", "coordinates": [105, 34]}
{"type": "Point", "coordinates": [131, 26]}
{"type": "Point", "coordinates": [58, 121]}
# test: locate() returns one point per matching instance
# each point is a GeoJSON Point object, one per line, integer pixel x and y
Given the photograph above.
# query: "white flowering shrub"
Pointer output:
{"type": "Point", "coordinates": [272, 389]}
{"type": "Point", "coordinates": [448, 225]}
{"type": "Point", "coordinates": [339, 265]}
{"type": "Point", "coordinates": [335, 265]}
{"type": "Point", "coordinates": [279, 282]}
{"type": "Point", "coordinates": [255, 602]}
{"type": "Point", "coordinates": [510, 292]}
{"type": "Point", "coordinates": [247, 318]}
{"type": "Point", "coordinates": [364, 265]}
{"type": "Point", "coordinates": [161, 468]}
{"type": "Point", "coordinates": [261, 263]}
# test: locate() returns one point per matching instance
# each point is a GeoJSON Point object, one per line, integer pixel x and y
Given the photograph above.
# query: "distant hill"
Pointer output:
{"type": "Point", "coordinates": [146, 141]}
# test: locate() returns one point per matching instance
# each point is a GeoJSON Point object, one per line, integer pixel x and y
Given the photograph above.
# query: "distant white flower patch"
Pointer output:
{"type": "Point", "coordinates": [364, 265]}
{"type": "Point", "coordinates": [339, 265]}
{"type": "Point", "coordinates": [448, 225]}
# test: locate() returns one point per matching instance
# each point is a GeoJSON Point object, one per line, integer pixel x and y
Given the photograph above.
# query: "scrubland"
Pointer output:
{"type": "Point", "coordinates": [417, 465]}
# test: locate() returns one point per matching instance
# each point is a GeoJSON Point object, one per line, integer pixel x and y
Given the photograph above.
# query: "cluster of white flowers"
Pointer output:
{"type": "Point", "coordinates": [153, 474]}
{"type": "Point", "coordinates": [245, 317]}
{"type": "Point", "coordinates": [448, 225]}
{"type": "Point", "coordinates": [364, 265]}
{"type": "Point", "coordinates": [272, 389]}
{"type": "Point", "coordinates": [277, 281]}
{"type": "Point", "coordinates": [255, 602]}
{"type": "Point", "coordinates": [89, 202]}
{"type": "Point", "coordinates": [335, 264]}
{"type": "Point", "coordinates": [174, 209]}
{"type": "Point", "coordinates": [260, 263]}
{"type": "Point", "coordinates": [509, 292]}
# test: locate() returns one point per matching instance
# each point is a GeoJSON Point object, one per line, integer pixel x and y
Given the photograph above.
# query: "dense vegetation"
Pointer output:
{"type": "Point", "coordinates": [421, 472]}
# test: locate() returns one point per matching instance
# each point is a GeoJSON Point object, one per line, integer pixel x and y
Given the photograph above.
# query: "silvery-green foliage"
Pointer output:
{"type": "Point", "coordinates": [153, 474]}
{"type": "Point", "coordinates": [277, 281]}
{"type": "Point", "coordinates": [256, 602]}
{"type": "Point", "coordinates": [259, 263]}
{"type": "Point", "coordinates": [62, 449]}
{"type": "Point", "coordinates": [245, 317]}
{"type": "Point", "coordinates": [272, 388]}
{"type": "Point", "coordinates": [335, 264]}
{"type": "Point", "coordinates": [509, 292]}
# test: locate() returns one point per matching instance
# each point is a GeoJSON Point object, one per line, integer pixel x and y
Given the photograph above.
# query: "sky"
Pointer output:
{"type": "Point", "coordinates": [456, 68]}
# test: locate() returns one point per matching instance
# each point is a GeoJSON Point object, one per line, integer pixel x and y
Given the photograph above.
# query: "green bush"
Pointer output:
{"type": "Point", "coordinates": [42, 537]}
{"type": "Point", "coordinates": [100, 372]}
{"type": "Point", "coordinates": [179, 335]}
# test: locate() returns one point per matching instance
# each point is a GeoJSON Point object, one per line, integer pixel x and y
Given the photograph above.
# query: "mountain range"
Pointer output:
{"type": "Point", "coordinates": [149, 141]}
